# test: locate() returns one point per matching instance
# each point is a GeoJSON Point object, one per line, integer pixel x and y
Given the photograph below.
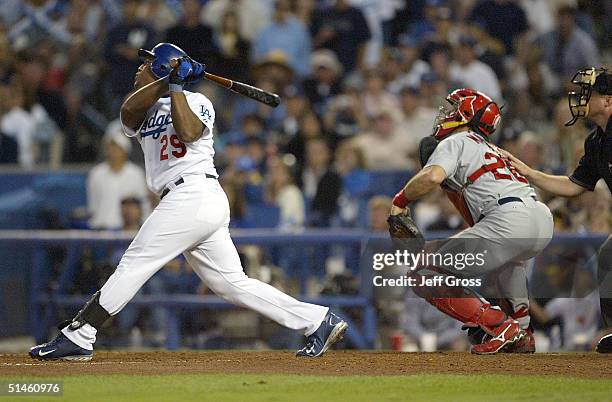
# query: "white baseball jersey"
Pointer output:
{"type": "Point", "coordinates": [166, 157]}
{"type": "Point", "coordinates": [476, 168]}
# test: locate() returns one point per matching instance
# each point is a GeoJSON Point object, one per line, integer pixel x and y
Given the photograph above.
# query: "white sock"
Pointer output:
{"type": "Point", "coordinates": [524, 321]}
{"type": "Point", "coordinates": [84, 337]}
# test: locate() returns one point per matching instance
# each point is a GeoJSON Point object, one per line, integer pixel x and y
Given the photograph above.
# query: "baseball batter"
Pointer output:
{"type": "Point", "coordinates": [175, 130]}
{"type": "Point", "coordinates": [509, 224]}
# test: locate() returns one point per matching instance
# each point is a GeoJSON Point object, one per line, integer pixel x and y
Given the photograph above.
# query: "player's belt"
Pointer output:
{"type": "Point", "coordinates": [506, 200]}
{"type": "Point", "coordinates": [181, 181]}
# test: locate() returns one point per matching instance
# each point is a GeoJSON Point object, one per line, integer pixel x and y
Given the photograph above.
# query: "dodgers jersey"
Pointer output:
{"type": "Point", "coordinates": [166, 157]}
{"type": "Point", "coordinates": [475, 168]}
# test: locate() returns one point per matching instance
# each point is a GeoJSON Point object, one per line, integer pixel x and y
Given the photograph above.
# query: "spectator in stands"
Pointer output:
{"type": "Point", "coordinates": [568, 48]}
{"type": "Point", "coordinates": [245, 106]}
{"type": "Point", "coordinates": [234, 189]}
{"type": "Point", "coordinates": [309, 127]}
{"type": "Point", "coordinates": [411, 67]}
{"type": "Point", "coordinates": [343, 29]}
{"type": "Point", "coordinates": [192, 36]}
{"type": "Point", "coordinates": [424, 27]}
{"type": "Point", "coordinates": [282, 192]}
{"type": "Point", "coordinates": [540, 15]}
{"type": "Point", "coordinates": [32, 73]}
{"type": "Point", "coordinates": [503, 19]}
{"type": "Point", "coordinates": [344, 116]}
{"type": "Point", "coordinates": [275, 67]}
{"type": "Point", "coordinates": [27, 123]}
{"type": "Point", "coordinates": [562, 140]}
{"type": "Point", "coordinates": [579, 313]}
{"type": "Point", "coordinates": [376, 99]}
{"type": "Point", "coordinates": [287, 34]}
{"type": "Point", "coordinates": [252, 126]}
{"type": "Point", "coordinates": [256, 151]}
{"type": "Point", "coordinates": [253, 15]}
{"type": "Point", "coordinates": [382, 140]}
{"type": "Point", "coordinates": [449, 219]}
{"type": "Point", "coordinates": [159, 14]}
{"type": "Point", "coordinates": [417, 119]}
{"type": "Point", "coordinates": [131, 214]}
{"type": "Point", "coordinates": [324, 83]}
{"type": "Point", "coordinates": [131, 321]}
{"type": "Point", "coordinates": [433, 89]}
{"type": "Point", "coordinates": [439, 80]}
{"type": "Point", "coordinates": [530, 148]}
{"type": "Point", "coordinates": [297, 106]}
{"type": "Point", "coordinates": [597, 207]}
{"type": "Point", "coordinates": [426, 327]}
{"type": "Point", "coordinates": [351, 166]}
{"type": "Point", "coordinates": [378, 211]}
{"type": "Point", "coordinates": [428, 210]}
{"type": "Point", "coordinates": [471, 72]}
{"type": "Point", "coordinates": [304, 9]}
{"type": "Point", "coordinates": [490, 50]}
{"type": "Point", "coordinates": [121, 54]}
{"type": "Point", "coordinates": [234, 49]}
{"type": "Point", "coordinates": [113, 180]}
{"type": "Point", "coordinates": [320, 184]}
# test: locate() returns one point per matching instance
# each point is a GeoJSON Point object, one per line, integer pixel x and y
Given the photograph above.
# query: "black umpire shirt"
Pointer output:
{"type": "Point", "coordinates": [597, 160]}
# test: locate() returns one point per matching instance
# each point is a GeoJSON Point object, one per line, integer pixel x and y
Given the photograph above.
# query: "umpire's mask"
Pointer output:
{"type": "Point", "coordinates": [589, 80]}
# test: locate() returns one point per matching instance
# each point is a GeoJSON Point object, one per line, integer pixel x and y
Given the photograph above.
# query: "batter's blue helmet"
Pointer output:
{"type": "Point", "coordinates": [161, 55]}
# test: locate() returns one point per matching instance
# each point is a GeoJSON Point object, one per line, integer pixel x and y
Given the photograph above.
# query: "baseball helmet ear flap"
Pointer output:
{"type": "Point", "coordinates": [486, 119]}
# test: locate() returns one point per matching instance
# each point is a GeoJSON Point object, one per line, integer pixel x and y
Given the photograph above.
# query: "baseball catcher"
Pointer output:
{"type": "Point", "coordinates": [508, 225]}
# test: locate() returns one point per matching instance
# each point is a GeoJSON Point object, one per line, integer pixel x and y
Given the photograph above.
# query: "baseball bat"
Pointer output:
{"type": "Point", "coordinates": [241, 88]}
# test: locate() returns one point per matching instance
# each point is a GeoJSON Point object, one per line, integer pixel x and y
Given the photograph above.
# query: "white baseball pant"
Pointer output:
{"type": "Point", "coordinates": [193, 219]}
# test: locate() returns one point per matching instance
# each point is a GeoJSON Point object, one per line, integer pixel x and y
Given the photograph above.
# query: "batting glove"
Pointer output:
{"type": "Point", "coordinates": [188, 71]}
{"type": "Point", "coordinates": [179, 75]}
{"type": "Point", "coordinates": [197, 73]}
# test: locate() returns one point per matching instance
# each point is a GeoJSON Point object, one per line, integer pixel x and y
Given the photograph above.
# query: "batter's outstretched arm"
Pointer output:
{"type": "Point", "coordinates": [557, 185]}
{"type": "Point", "coordinates": [135, 106]}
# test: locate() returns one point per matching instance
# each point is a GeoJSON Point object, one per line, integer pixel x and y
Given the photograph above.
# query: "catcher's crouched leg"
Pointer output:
{"type": "Point", "coordinates": [467, 306]}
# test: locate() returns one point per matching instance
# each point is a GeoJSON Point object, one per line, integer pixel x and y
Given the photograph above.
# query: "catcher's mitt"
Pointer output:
{"type": "Point", "coordinates": [404, 232]}
{"type": "Point", "coordinates": [403, 227]}
{"type": "Point", "coordinates": [426, 147]}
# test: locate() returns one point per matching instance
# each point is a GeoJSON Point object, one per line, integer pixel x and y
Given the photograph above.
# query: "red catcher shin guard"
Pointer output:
{"type": "Point", "coordinates": [470, 310]}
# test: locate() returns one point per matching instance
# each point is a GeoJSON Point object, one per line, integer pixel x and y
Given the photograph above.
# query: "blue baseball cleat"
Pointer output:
{"type": "Point", "coordinates": [330, 331]}
{"type": "Point", "coordinates": [60, 348]}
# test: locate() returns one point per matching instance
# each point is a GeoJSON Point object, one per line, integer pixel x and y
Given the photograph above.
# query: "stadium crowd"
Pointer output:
{"type": "Point", "coordinates": [361, 82]}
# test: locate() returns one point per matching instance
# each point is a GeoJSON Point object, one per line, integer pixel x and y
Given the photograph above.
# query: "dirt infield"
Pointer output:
{"type": "Point", "coordinates": [583, 365]}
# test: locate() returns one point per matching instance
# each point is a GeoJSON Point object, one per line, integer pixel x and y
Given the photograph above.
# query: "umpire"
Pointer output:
{"type": "Point", "coordinates": [593, 102]}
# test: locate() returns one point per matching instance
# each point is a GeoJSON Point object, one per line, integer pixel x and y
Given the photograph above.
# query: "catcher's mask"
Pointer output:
{"type": "Point", "coordinates": [467, 107]}
{"type": "Point", "coordinates": [160, 57]}
{"type": "Point", "coordinates": [589, 80]}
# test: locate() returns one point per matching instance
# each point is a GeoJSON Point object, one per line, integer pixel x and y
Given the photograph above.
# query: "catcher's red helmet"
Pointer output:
{"type": "Point", "coordinates": [467, 107]}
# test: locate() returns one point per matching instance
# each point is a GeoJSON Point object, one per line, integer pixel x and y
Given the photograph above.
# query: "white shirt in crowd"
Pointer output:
{"type": "Point", "coordinates": [580, 318]}
{"type": "Point", "coordinates": [291, 203]}
{"type": "Point", "coordinates": [479, 76]}
{"type": "Point", "coordinates": [27, 128]}
{"type": "Point", "coordinates": [106, 189]}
